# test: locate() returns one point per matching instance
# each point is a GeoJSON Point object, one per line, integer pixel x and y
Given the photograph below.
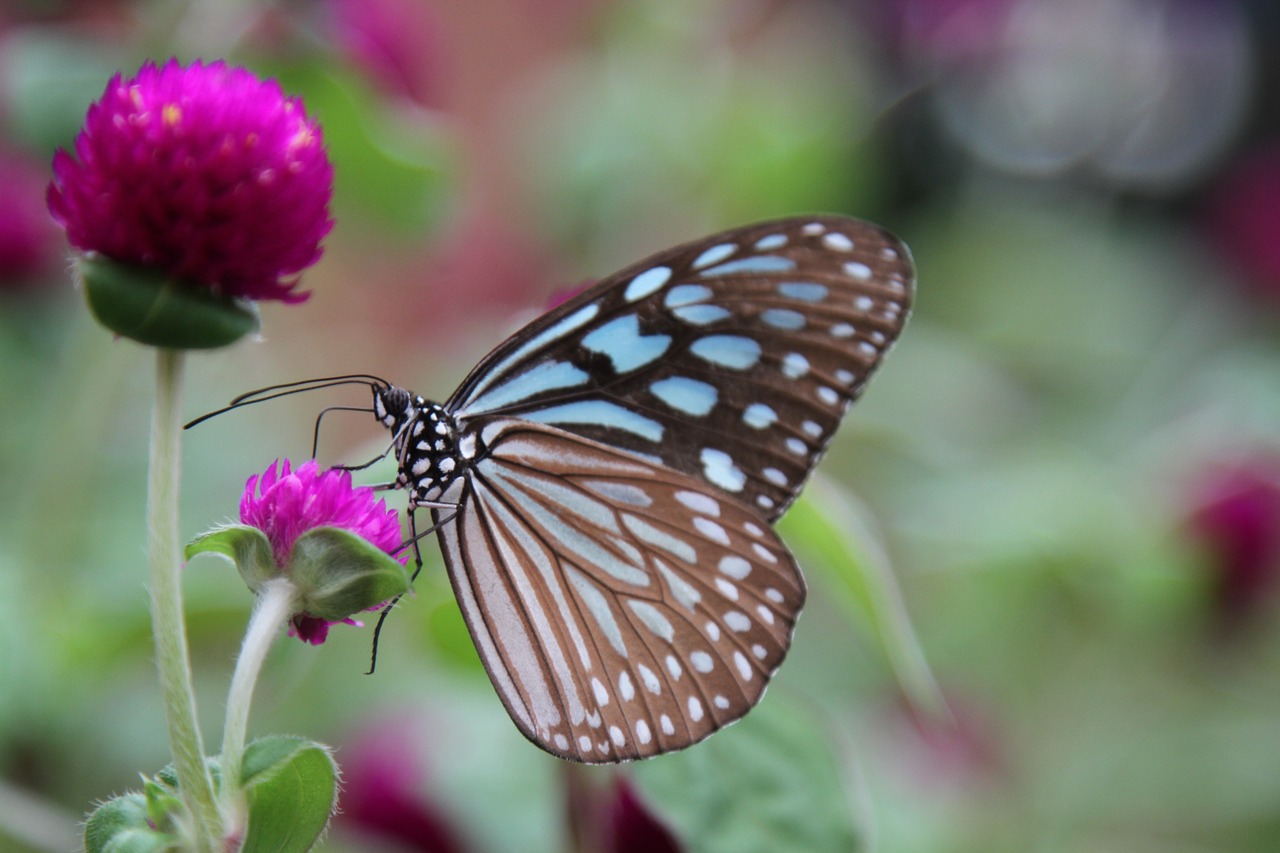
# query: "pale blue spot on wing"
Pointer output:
{"type": "Point", "coordinates": [686, 395]}
{"type": "Point", "coordinates": [621, 341]}
{"type": "Point", "coordinates": [732, 351]}
{"type": "Point", "coordinates": [550, 335]}
{"type": "Point", "coordinates": [618, 492]}
{"type": "Point", "coordinates": [548, 376]}
{"type": "Point", "coordinates": [658, 624]}
{"type": "Point", "coordinates": [598, 607]}
{"type": "Point", "coordinates": [756, 264]}
{"type": "Point", "coordinates": [771, 241]}
{"type": "Point", "coordinates": [805, 291]}
{"type": "Point", "coordinates": [600, 413]}
{"type": "Point", "coordinates": [700, 315]}
{"type": "Point", "coordinates": [759, 416]}
{"type": "Point", "coordinates": [686, 294]}
{"type": "Point", "coordinates": [783, 318]}
{"type": "Point", "coordinates": [673, 545]}
{"type": "Point", "coordinates": [794, 365]}
{"type": "Point", "coordinates": [719, 469]}
{"type": "Point", "coordinates": [573, 537]}
{"type": "Point", "coordinates": [648, 282]}
{"type": "Point", "coordinates": [715, 254]}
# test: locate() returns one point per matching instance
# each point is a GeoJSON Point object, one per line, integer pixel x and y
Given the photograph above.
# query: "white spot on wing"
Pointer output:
{"type": "Point", "coordinates": [837, 241]}
{"type": "Point", "coordinates": [735, 567]}
{"type": "Point", "coordinates": [699, 502]}
{"type": "Point", "coordinates": [711, 530]}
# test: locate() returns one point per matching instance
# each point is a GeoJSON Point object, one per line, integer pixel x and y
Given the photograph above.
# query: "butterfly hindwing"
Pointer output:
{"type": "Point", "coordinates": [622, 608]}
{"type": "Point", "coordinates": [731, 359]}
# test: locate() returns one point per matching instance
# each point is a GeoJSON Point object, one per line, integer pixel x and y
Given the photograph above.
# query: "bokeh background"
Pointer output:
{"type": "Point", "coordinates": [1058, 506]}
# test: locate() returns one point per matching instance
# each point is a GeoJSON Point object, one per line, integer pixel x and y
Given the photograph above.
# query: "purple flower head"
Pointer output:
{"type": "Point", "coordinates": [203, 171]}
{"type": "Point", "coordinates": [284, 504]}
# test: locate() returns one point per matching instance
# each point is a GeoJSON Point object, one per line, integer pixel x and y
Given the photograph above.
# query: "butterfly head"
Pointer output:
{"type": "Point", "coordinates": [394, 407]}
{"type": "Point", "coordinates": [425, 442]}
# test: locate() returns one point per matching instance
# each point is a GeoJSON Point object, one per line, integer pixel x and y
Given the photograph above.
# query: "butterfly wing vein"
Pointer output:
{"type": "Point", "coordinates": [621, 608]}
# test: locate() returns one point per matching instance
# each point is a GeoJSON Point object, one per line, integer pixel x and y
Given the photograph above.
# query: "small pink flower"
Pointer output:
{"type": "Point", "coordinates": [27, 244]}
{"type": "Point", "coordinates": [284, 504]}
{"type": "Point", "coordinates": [396, 43]}
{"type": "Point", "coordinates": [1235, 518]}
{"type": "Point", "coordinates": [385, 792]}
{"type": "Point", "coordinates": [1244, 219]}
{"type": "Point", "coordinates": [203, 171]}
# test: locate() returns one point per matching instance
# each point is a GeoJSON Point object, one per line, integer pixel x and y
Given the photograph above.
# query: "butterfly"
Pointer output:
{"type": "Point", "coordinates": [604, 483]}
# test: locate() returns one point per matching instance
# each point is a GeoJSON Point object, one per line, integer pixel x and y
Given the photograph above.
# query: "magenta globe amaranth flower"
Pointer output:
{"type": "Point", "coordinates": [202, 174]}
{"type": "Point", "coordinates": [287, 504]}
{"type": "Point", "coordinates": [336, 543]}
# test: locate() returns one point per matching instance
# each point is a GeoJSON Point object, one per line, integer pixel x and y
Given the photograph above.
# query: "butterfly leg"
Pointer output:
{"type": "Point", "coordinates": [414, 538]}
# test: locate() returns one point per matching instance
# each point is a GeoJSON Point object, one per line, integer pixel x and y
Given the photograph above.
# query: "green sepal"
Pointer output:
{"type": "Point", "coordinates": [127, 824]}
{"type": "Point", "coordinates": [247, 547]}
{"type": "Point", "coordinates": [154, 308]}
{"type": "Point", "coordinates": [339, 574]}
{"type": "Point", "coordinates": [335, 573]}
{"type": "Point", "coordinates": [292, 788]}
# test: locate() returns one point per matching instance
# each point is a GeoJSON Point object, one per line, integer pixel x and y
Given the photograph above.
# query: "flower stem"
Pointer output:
{"type": "Point", "coordinates": [167, 625]}
{"type": "Point", "coordinates": [274, 604]}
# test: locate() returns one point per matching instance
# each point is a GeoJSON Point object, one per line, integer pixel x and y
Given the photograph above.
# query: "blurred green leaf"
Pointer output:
{"type": "Point", "coordinates": [829, 524]}
{"type": "Point", "coordinates": [768, 783]}
{"type": "Point", "coordinates": [389, 164]}
{"type": "Point", "coordinates": [292, 785]}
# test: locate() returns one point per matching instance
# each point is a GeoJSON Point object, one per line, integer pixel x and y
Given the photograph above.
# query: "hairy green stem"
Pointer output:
{"type": "Point", "coordinates": [167, 624]}
{"type": "Point", "coordinates": [276, 600]}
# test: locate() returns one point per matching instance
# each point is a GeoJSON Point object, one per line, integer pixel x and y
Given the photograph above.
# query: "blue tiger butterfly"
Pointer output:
{"type": "Point", "coordinates": [603, 484]}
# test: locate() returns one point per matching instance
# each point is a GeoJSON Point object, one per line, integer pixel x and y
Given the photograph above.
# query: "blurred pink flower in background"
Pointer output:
{"type": "Point", "coordinates": [1244, 220]}
{"type": "Point", "coordinates": [613, 818]}
{"type": "Point", "coordinates": [385, 795]}
{"type": "Point", "coordinates": [396, 43]}
{"type": "Point", "coordinates": [1235, 518]}
{"type": "Point", "coordinates": [27, 235]}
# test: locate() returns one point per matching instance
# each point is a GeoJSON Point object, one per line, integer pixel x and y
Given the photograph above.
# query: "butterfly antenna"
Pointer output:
{"type": "Point", "coordinates": [284, 389]}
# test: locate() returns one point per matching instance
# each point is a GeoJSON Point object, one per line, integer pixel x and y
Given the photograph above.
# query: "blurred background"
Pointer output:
{"type": "Point", "coordinates": [1066, 478]}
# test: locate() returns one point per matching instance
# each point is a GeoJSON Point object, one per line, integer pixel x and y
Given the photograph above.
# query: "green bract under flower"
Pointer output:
{"type": "Point", "coordinates": [203, 173]}
{"type": "Point", "coordinates": [333, 541]}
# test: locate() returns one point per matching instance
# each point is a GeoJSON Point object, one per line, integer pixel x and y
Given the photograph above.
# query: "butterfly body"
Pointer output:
{"type": "Point", "coordinates": [604, 482]}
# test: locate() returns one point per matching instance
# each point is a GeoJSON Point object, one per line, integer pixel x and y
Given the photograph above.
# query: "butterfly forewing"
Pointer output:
{"type": "Point", "coordinates": [731, 358]}
{"type": "Point", "coordinates": [622, 608]}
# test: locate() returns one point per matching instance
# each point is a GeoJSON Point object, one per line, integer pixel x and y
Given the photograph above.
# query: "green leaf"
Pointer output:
{"type": "Point", "coordinates": [389, 163]}
{"type": "Point", "coordinates": [830, 526]}
{"type": "Point", "coordinates": [247, 547]}
{"type": "Point", "coordinates": [121, 825]}
{"type": "Point", "coordinates": [338, 573]}
{"type": "Point", "coordinates": [153, 308]}
{"type": "Point", "coordinates": [770, 782]}
{"type": "Point", "coordinates": [292, 788]}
